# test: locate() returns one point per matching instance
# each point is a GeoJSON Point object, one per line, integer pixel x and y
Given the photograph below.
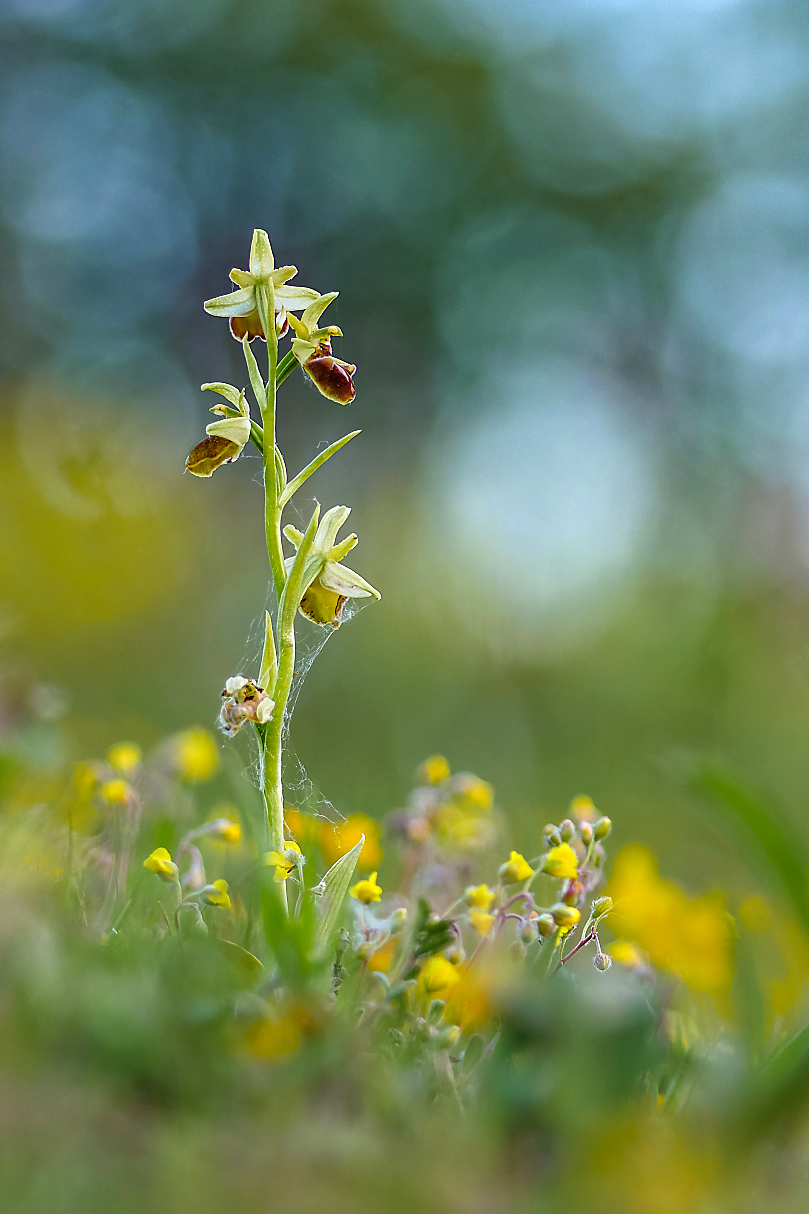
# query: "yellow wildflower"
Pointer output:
{"type": "Point", "coordinates": [479, 896]}
{"type": "Point", "coordinates": [626, 954]}
{"type": "Point", "coordinates": [336, 839]}
{"type": "Point", "coordinates": [196, 755]}
{"type": "Point", "coordinates": [516, 868]}
{"type": "Point", "coordinates": [469, 1002]}
{"type": "Point", "coordinates": [161, 864]}
{"type": "Point", "coordinates": [283, 861]}
{"type": "Point", "coordinates": [481, 921]}
{"type": "Point", "coordinates": [565, 917]}
{"type": "Point", "coordinates": [437, 978]}
{"type": "Point", "coordinates": [690, 937]}
{"type": "Point", "coordinates": [367, 891]}
{"type": "Point", "coordinates": [81, 813]}
{"type": "Point", "coordinates": [434, 770]}
{"type": "Point", "coordinates": [473, 793]}
{"type": "Point", "coordinates": [116, 792]}
{"type": "Point", "coordinates": [273, 1036]}
{"type": "Point", "coordinates": [457, 824]}
{"type": "Point", "coordinates": [380, 961]}
{"type": "Point", "coordinates": [561, 862]}
{"type": "Point", "coordinates": [225, 829]}
{"type": "Point", "coordinates": [217, 895]}
{"type": "Point", "coordinates": [304, 827]}
{"type": "Point", "coordinates": [124, 757]}
{"type": "Point", "coordinates": [583, 808]}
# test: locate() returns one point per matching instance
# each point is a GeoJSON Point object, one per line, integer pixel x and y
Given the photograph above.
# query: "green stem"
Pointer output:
{"type": "Point", "coordinates": [274, 730]}
{"type": "Point", "coordinates": [265, 296]}
{"type": "Point", "coordinates": [269, 738]}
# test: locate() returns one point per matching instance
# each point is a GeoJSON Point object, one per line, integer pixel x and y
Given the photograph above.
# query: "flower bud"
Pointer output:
{"type": "Point", "coordinates": [567, 830]}
{"type": "Point", "coordinates": [601, 907]}
{"type": "Point", "coordinates": [551, 836]}
{"type": "Point", "coordinates": [602, 962]}
{"type": "Point", "coordinates": [398, 921]}
{"type": "Point", "coordinates": [586, 832]}
{"type": "Point", "coordinates": [517, 950]}
{"type": "Point", "coordinates": [434, 770]}
{"type": "Point", "coordinates": [528, 931]}
{"type": "Point", "coordinates": [457, 955]}
{"type": "Point", "coordinates": [572, 894]}
{"type": "Point", "coordinates": [602, 828]}
{"type": "Point", "coordinates": [435, 1011]}
{"type": "Point", "coordinates": [216, 895]}
{"type": "Point", "coordinates": [448, 1037]}
{"type": "Point", "coordinates": [546, 924]}
{"type": "Point", "coordinates": [565, 916]}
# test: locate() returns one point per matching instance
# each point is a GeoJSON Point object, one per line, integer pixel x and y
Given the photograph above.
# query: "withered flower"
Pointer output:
{"type": "Point", "coordinates": [243, 700]}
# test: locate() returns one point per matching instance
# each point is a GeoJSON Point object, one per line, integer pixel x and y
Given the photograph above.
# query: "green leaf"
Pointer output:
{"type": "Point", "coordinates": [295, 484]}
{"type": "Point", "coordinates": [281, 472]}
{"type": "Point", "coordinates": [336, 882]}
{"type": "Point", "coordinates": [247, 969]}
{"type": "Point", "coordinates": [763, 834]}
{"type": "Point", "coordinates": [780, 1090]}
{"type": "Point", "coordinates": [259, 391]}
{"type": "Point", "coordinates": [257, 435]}
{"type": "Point", "coordinates": [285, 368]}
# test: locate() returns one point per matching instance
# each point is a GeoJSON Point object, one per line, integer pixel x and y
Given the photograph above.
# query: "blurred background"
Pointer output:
{"type": "Point", "coordinates": [572, 246]}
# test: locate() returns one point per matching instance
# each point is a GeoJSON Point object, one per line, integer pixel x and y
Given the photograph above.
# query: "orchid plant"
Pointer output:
{"type": "Point", "coordinates": [311, 579]}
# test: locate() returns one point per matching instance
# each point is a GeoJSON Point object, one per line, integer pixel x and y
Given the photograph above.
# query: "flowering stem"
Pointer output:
{"type": "Point", "coordinates": [585, 940]}
{"type": "Point", "coordinates": [270, 738]}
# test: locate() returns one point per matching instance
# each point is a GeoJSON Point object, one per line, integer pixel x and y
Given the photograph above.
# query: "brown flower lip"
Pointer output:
{"type": "Point", "coordinates": [207, 456]}
{"type": "Point", "coordinates": [250, 326]}
{"type": "Point", "coordinates": [332, 377]}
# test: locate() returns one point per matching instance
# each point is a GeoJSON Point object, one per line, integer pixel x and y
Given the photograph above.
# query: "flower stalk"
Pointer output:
{"type": "Point", "coordinates": [312, 580]}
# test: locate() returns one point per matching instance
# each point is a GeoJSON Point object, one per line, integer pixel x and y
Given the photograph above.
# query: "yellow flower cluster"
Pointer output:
{"type": "Point", "coordinates": [691, 937]}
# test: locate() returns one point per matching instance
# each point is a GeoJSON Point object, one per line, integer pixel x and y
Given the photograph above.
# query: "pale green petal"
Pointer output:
{"type": "Point", "coordinates": [293, 535]}
{"type": "Point", "coordinates": [316, 309]}
{"type": "Point", "coordinates": [282, 275]}
{"type": "Point", "coordinates": [237, 429]}
{"type": "Point", "coordinates": [262, 262]}
{"type": "Point", "coordinates": [303, 350]}
{"type": "Point", "coordinates": [330, 524]}
{"type": "Point", "coordinates": [343, 580]}
{"type": "Point", "coordinates": [237, 303]}
{"type": "Point", "coordinates": [295, 299]}
{"type": "Point", "coordinates": [242, 278]}
{"type": "Point", "coordinates": [343, 548]}
{"type": "Point", "coordinates": [227, 390]}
